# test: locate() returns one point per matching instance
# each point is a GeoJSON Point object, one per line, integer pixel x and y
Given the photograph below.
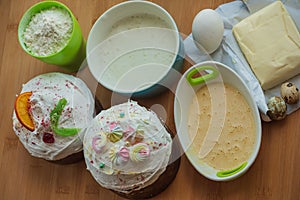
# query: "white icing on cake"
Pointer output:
{"type": "Point", "coordinates": [126, 147]}
{"type": "Point", "coordinates": [47, 90]}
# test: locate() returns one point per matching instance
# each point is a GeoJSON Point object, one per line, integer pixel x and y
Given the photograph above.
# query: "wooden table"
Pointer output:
{"type": "Point", "coordinates": [274, 175]}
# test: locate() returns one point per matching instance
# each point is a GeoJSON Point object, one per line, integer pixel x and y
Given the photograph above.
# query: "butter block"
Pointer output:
{"type": "Point", "coordinates": [270, 41]}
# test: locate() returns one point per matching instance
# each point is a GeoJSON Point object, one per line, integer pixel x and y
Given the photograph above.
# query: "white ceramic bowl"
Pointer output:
{"type": "Point", "coordinates": [184, 94]}
{"type": "Point", "coordinates": [134, 61]}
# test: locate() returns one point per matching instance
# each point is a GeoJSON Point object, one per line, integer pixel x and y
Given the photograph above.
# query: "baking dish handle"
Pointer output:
{"type": "Point", "coordinates": [211, 73]}
{"type": "Point", "coordinates": [231, 172]}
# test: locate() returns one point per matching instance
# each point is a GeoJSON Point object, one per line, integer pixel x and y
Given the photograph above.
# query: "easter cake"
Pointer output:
{"type": "Point", "coordinates": [51, 114]}
{"type": "Point", "coordinates": [128, 150]}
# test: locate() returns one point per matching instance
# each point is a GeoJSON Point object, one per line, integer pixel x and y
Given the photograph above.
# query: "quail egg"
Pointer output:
{"type": "Point", "coordinates": [290, 93]}
{"type": "Point", "coordinates": [277, 108]}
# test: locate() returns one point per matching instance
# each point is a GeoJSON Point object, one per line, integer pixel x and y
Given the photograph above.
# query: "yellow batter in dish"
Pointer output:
{"type": "Point", "coordinates": [235, 142]}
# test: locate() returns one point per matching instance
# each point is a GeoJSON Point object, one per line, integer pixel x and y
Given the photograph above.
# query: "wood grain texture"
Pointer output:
{"type": "Point", "coordinates": [274, 175]}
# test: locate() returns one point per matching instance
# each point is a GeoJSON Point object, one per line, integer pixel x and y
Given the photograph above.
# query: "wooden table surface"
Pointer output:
{"type": "Point", "coordinates": [274, 175]}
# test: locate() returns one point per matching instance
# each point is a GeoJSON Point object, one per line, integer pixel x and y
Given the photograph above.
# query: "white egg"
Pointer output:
{"type": "Point", "coordinates": [207, 30]}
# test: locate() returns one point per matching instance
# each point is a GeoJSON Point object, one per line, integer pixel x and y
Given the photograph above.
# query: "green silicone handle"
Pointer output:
{"type": "Point", "coordinates": [231, 172]}
{"type": "Point", "coordinates": [201, 79]}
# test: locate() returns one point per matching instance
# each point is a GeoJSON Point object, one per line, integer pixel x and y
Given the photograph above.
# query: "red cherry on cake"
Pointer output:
{"type": "Point", "coordinates": [48, 138]}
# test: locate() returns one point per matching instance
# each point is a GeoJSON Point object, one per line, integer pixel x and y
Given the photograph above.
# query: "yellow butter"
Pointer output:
{"type": "Point", "coordinates": [270, 41]}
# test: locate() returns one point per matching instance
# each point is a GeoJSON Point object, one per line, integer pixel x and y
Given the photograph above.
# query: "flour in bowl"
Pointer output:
{"type": "Point", "coordinates": [48, 31]}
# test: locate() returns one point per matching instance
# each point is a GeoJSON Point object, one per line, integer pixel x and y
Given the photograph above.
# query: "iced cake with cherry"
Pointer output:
{"type": "Point", "coordinates": [51, 114]}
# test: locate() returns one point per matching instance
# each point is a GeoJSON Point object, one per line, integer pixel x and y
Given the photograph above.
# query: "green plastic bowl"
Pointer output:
{"type": "Point", "coordinates": [69, 57]}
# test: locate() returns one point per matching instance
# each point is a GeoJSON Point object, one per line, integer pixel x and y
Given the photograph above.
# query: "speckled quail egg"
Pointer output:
{"type": "Point", "coordinates": [290, 93]}
{"type": "Point", "coordinates": [277, 108]}
{"type": "Point", "coordinates": [207, 30]}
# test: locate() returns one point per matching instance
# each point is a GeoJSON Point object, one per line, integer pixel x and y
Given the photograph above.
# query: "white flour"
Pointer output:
{"type": "Point", "coordinates": [48, 31]}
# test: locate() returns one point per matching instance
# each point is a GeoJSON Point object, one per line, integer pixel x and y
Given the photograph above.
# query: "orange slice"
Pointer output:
{"type": "Point", "coordinates": [22, 110]}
